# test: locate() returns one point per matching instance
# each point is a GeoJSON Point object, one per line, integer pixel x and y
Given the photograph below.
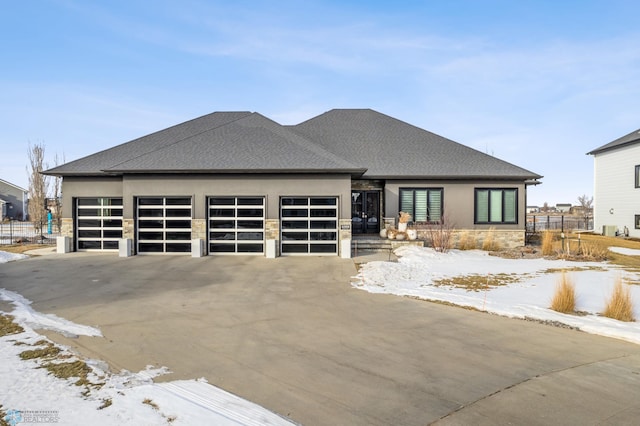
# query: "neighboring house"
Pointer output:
{"type": "Point", "coordinates": [533, 209]}
{"type": "Point", "coordinates": [563, 208]}
{"type": "Point", "coordinates": [617, 186]}
{"type": "Point", "coordinates": [245, 184]}
{"type": "Point", "coordinates": [13, 201]}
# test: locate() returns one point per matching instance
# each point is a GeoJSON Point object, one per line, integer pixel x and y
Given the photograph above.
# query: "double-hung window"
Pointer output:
{"type": "Point", "coordinates": [498, 205]}
{"type": "Point", "coordinates": [637, 177]}
{"type": "Point", "coordinates": [424, 204]}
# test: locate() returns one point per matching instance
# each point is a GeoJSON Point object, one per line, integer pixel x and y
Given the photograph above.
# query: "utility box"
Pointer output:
{"type": "Point", "coordinates": [64, 245]}
{"type": "Point", "coordinates": [197, 247]}
{"type": "Point", "coordinates": [125, 247]}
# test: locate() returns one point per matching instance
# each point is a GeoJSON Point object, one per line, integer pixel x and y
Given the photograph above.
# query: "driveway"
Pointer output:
{"type": "Point", "coordinates": [292, 335]}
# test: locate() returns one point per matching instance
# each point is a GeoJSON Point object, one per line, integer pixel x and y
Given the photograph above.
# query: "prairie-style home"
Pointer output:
{"type": "Point", "coordinates": [241, 183]}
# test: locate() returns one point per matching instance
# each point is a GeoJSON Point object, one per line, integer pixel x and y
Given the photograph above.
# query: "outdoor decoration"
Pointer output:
{"type": "Point", "coordinates": [404, 219]}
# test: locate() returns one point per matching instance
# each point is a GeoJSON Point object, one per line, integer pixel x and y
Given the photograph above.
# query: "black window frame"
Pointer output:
{"type": "Point", "coordinates": [637, 176]}
{"type": "Point", "coordinates": [488, 213]}
{"type": "Point", "coordinates": [637, 221]}
{"type": "Point", "coordinates": [412, 211]}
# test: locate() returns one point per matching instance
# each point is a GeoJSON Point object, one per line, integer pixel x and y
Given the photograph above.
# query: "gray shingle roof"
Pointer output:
{"type": "Point", "coordinates": [390, 148]}
{"type": "Point", "coordinates": [251, 144]}
{"type": "Point", "coordinates": [346, 141]}
{"type": "Point", "coordinates": [631, 138]}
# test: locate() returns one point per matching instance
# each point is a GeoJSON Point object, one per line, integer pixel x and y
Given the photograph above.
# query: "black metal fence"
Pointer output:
{"type": "Point", "coordinates": [538, 223]}
{"type": "Point", "coordinates": [17, 232]}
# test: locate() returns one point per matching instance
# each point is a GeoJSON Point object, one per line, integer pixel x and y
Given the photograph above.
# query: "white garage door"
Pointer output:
{"type": "Point", "coordinates": [236, 225]}
{"type": "Point", "coordinates": [98, 223]}
{"type": "Point", "coordinates": [163, 225]}
{"type": "Point", "coordinates": [309, 225]}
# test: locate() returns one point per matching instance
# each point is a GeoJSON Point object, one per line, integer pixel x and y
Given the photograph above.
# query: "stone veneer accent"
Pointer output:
{"type": "Point", "coordinates": [505, 239]}
{"type": "Point", "coordinates": [128, 229]}
{"type": "Point", "coordinates": [66, 227]}
{"type": "Point", "coordinates": [199, 229]}
{"type": "Point", "coordinates": [272, 229]}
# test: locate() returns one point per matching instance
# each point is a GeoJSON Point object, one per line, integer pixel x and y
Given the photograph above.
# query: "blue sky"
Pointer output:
{"type": "Point", "coordinates": [536, 83]}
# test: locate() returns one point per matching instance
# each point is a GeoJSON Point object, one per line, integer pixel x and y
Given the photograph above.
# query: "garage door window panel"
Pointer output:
{"type": "Point", "coordinates": [243, 233]}
{"type": "Point", "coordinates": [98, 224]}
{"type": "Point", "coordinates": [164, 224]}
{"type": "Point", "coordinates": [301, 218]}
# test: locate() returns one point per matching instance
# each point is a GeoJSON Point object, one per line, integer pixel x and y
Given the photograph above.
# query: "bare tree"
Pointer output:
{"type": "Point", "coordinates": [586, 204]}
{"type": "Point", "coordinates": [57, 194]}
{"type": "Point", "coordinates": [38, 187]}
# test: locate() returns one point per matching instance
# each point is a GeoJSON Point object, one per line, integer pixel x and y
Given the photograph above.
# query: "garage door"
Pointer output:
{"type": "Point", "coordinates": [236, 225]}
{"type": "Point", "coordinates": [163, 225]}
{"type": "Point", "coordinates": [98, 223]}
{"type": "Point", "coordinates": [308, 225]}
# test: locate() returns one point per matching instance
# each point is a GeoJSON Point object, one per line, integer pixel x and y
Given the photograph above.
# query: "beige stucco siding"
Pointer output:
{"type": "Point", "coordinates": [458, 200]}
{"type": "Point", "coordinates": [201, 186]}
{"type": "Point", "coordinates": [74, 187]}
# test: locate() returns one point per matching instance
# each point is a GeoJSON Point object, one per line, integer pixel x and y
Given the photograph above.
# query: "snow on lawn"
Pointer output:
{"type": "Point", "coordinates": [8, 257]}
{"type": "Point", "coordinates": [31, 395]}
{"type": "Point", "coordinates": [529, 297]}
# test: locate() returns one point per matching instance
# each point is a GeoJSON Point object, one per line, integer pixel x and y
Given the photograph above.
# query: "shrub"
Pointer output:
{"type": "Point", "coordinates": [489, 243]}
{"type": "Point", "coordinates": [466, 242]}
{"type": "Point", "coordinates": [620, 305]}
{"type": "Point", "coordinates": [564, 297]}
{"type": "Point", "coordinates": [547, 243]}
{"type": "Point", "coordinates": [441, 234]}
{"type": "Point", "coordinates": [593, 251]}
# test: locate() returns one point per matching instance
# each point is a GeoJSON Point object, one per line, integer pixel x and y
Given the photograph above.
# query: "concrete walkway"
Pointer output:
{"type": "Point", "coordinates": [292, 335]}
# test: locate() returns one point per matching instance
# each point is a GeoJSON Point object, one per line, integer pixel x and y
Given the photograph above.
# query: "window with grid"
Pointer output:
{"type": "Point", "coordinates": [424, 204]}
{"type": "Point", "coordinates": [499, 205]}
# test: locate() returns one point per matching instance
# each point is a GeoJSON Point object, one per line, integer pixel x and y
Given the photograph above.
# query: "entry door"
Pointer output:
{"type": "Point", "coordinates": [365, 212]}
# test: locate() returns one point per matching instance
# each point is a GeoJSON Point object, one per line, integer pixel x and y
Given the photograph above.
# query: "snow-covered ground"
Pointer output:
{"type": "Point", "coordinates": [418, 270]}
{"type": "Point", "coordinates": [31, 395]}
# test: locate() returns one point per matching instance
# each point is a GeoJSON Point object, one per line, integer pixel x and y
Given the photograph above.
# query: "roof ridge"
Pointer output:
{"type": "Point", "coordinates": [181, 140]}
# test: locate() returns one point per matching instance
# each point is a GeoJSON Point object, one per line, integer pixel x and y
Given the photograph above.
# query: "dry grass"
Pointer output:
{"type": "Point", "coordinates": [150, 403]}
{"type": "Point", "coordinates": [21, 248]}
{"type": "Point", "coordinates": [65, 370]}
{"type": "Point", "coordinates": [7, 326]}
{"type": "Point", "coordinates": [466, 241]}
{"type": "Point", "coordinates": [564, 297]}
{"type": "Point", "coordinates": [489, 243]}
{"type": "Point", "coordinates": [620, 306]}
{"type": "Point", "coordinates": [3, 414]}
{"type": "Point", "coordinates": [477, 282]}
{"type": "Point", "coordinates": [107, 402]}
{"type": "Point", "coordinates": [593, 251]}
{"type": "Point", "coordinates": [547, 243]}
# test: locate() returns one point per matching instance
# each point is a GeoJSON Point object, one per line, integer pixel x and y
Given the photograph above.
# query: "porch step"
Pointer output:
{"type": "Point", "coordinates": [382, 244]}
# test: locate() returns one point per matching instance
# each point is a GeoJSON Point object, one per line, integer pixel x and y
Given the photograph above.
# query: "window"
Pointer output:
{"type": "Point", "coordinates": [424, 204]}
{"type": "Point", "coordinates": [496, 205]}
{"type": "Point", "coordinates": [637, 177]}
{"type": "Point", "coordinates": [637, 221]}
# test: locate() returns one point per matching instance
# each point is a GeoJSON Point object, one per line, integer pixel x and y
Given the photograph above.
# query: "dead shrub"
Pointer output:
{"type": "Point", "coordinates": [547, 243]}
{"type": "Point", "coordinates": [619, 306]}
{"type": "Point", "coordinates": [441, 234]}
{"type": "Point", "coordinates": [564, 297]}
{"type": "Point", "coordinates": [489, 243]}
{"type": "Point", "coordinates": [466, 241]}
{"type": "Point", "coordinates": [593, 251]}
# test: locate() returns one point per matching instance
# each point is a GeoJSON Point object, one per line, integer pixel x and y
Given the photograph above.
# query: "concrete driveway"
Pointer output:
{"type": "Point", "coordinates": [292, 335]}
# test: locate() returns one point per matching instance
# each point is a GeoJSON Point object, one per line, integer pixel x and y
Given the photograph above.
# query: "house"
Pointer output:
{"type": "Point", "coordinates": [616, 201]}
{"type": "Point", "coordinates": [533, 209]}
{"type": "Point", "coordinates": [244, 184]}
{"type": "Point", "coordinates": [13, 201]}
{"type": "Point", "coordinates": [563, 207]}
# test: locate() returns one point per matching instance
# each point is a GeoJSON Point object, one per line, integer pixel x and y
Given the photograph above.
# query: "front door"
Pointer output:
{"type": "Point", "coordinates": [365, 212]}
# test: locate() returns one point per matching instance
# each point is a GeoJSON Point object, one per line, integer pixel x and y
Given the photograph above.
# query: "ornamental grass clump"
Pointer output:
{"type": "Point", "coordinates": [489, 243]}
{"type": "Point", "coordinates": [564, 297]}
{"type": "Point", "coordinates": [620, 305]}
{"type": "Point", "coordinates": [547, 243]}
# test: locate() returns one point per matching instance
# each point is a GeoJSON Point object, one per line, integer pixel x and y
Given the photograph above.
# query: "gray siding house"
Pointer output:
{"type": "Point", "coordinates": [245, 184]}
{"type": "Point", "coordinates": [13, 201]}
